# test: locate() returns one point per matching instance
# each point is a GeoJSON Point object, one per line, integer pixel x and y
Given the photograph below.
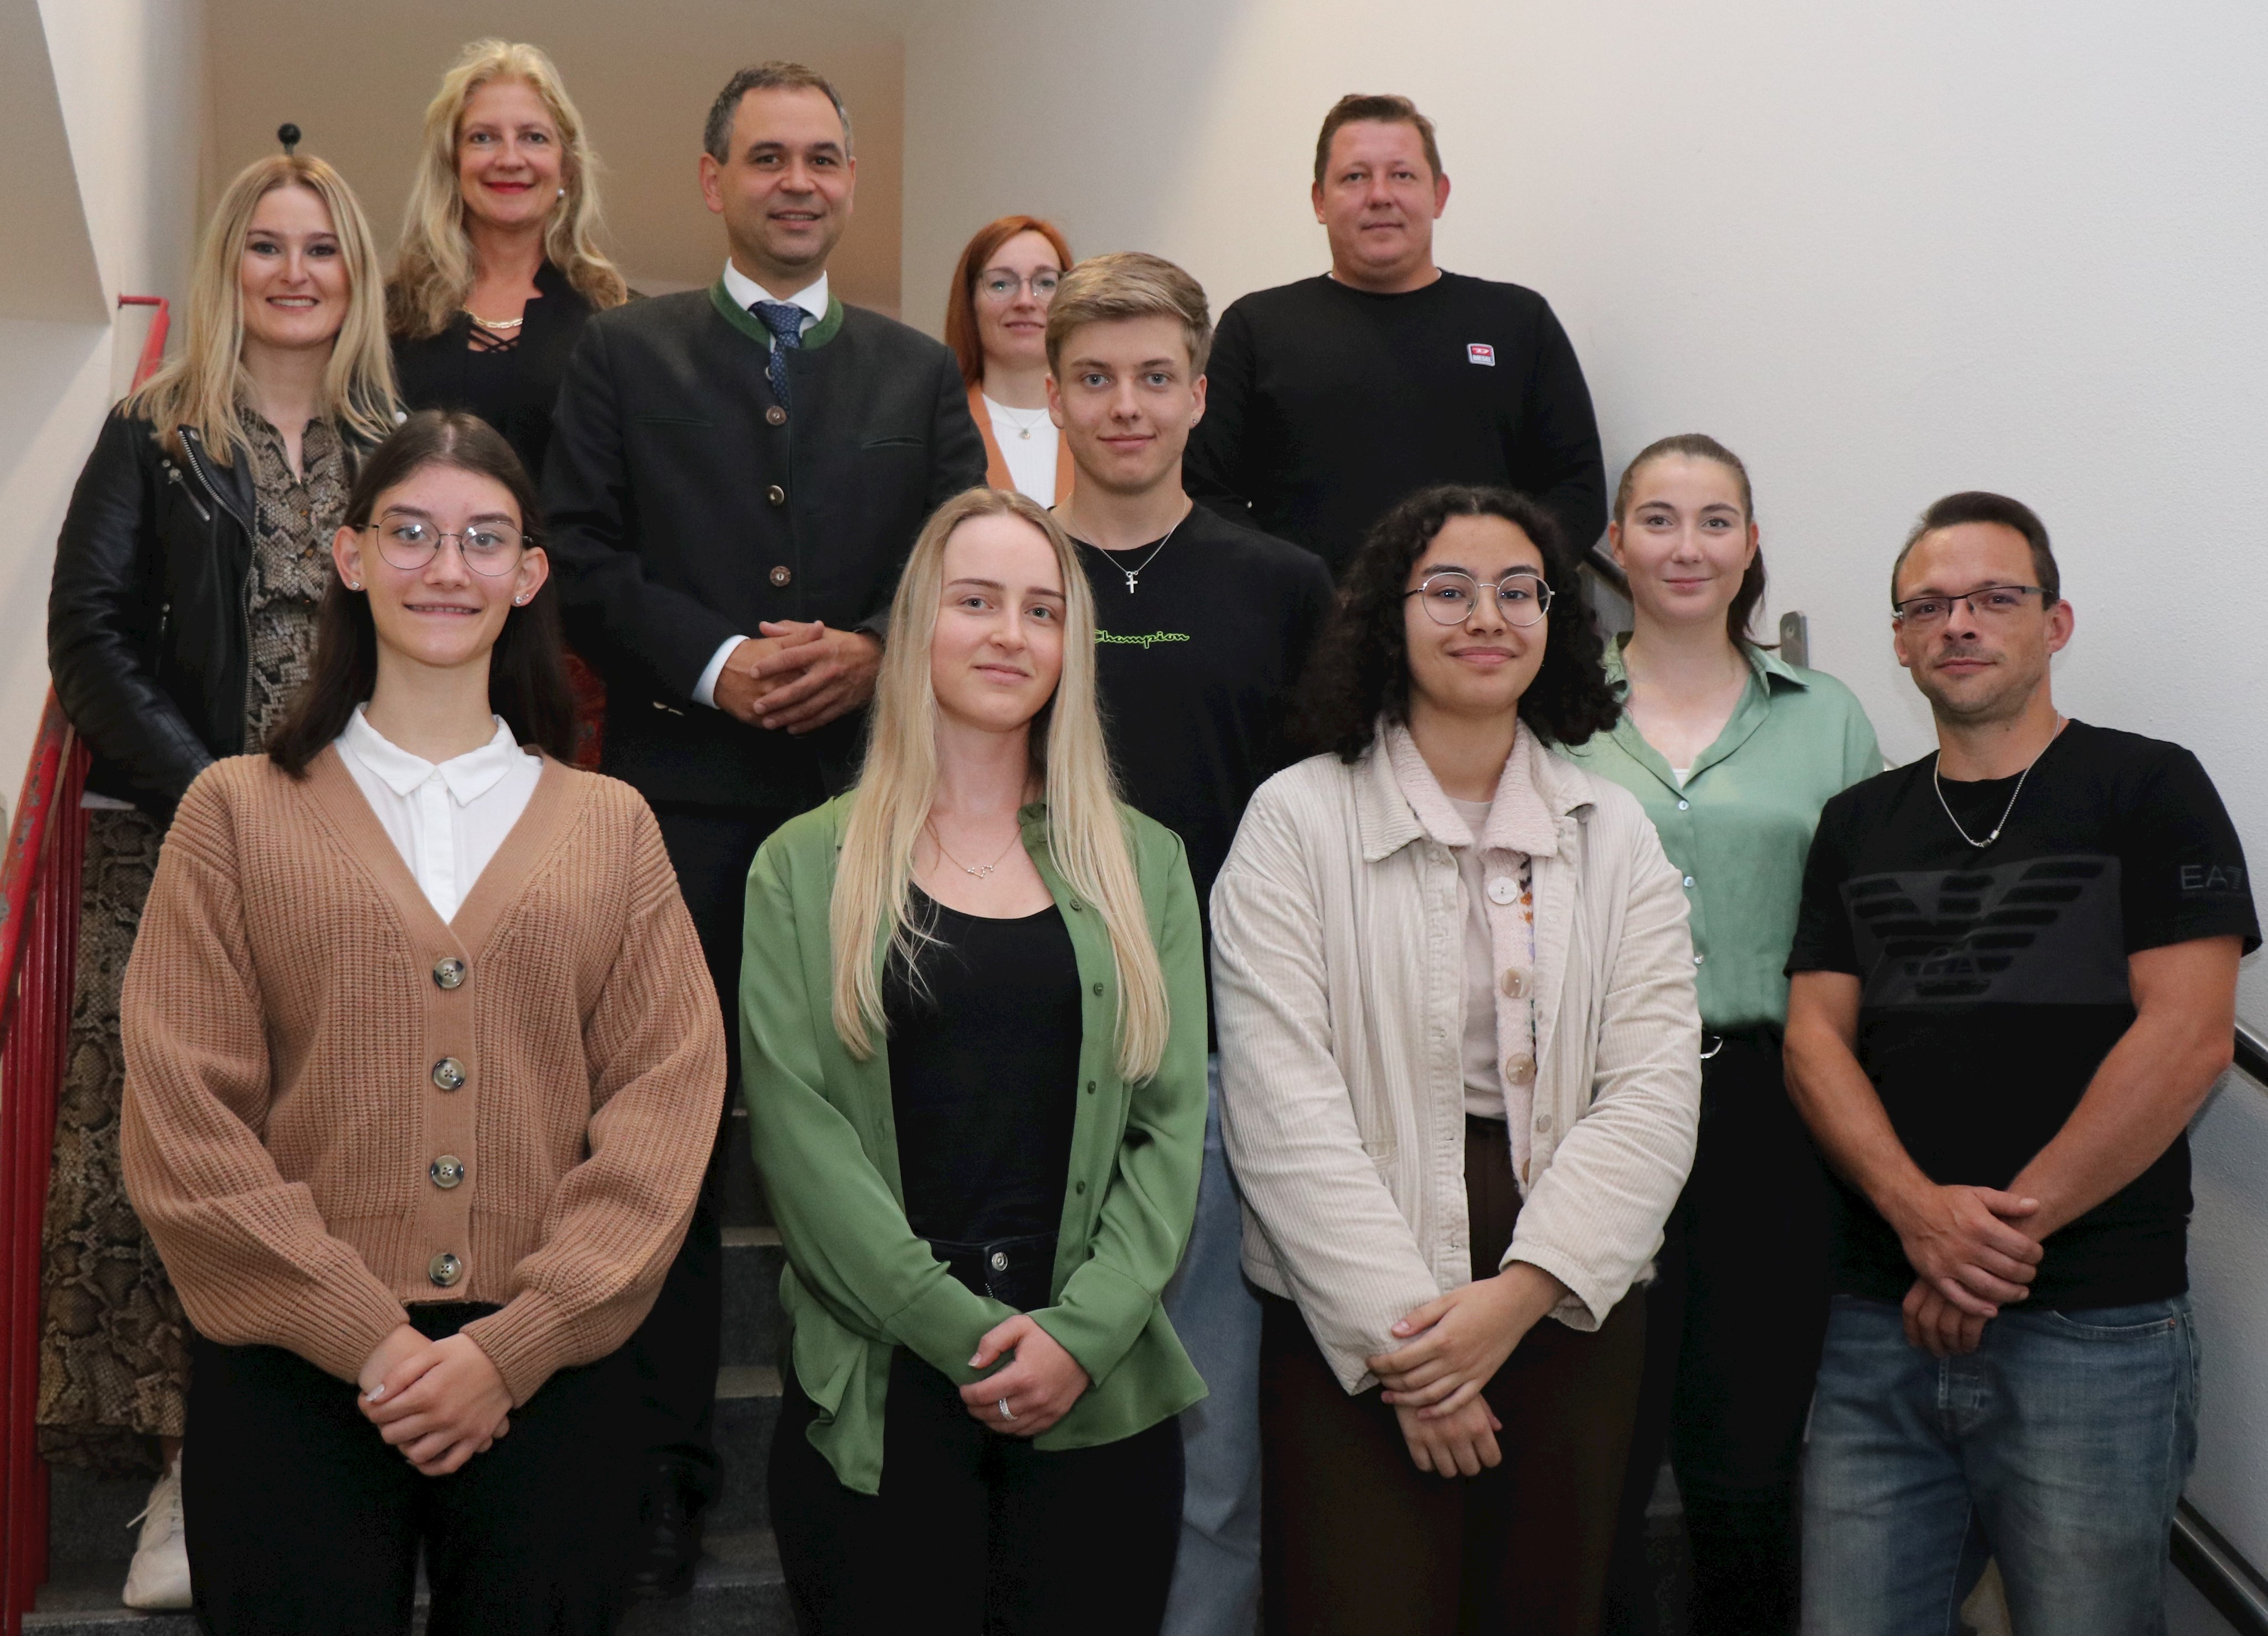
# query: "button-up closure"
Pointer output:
{"type": "Point", "coordinates": [1698, 959]}
{"type": "Point", "coordinates": [1520, 1069]}
{"type": "Point", "coordinates": [1503, 890]}
{"type": "Point", "coordinates": [777, 495]}
{"type": "Point", "coordinates": [776, 416]}
{"type": "Point", "coordinates": [780, 575]}
{"type": "Point", "coordinates": [999, 1261]}
{"type": "Point", "coordinates": [445, 1270]}
{"type": "Point", "coordinates": [449, 1074]}
{"type": "Point", "coordinates": [1517, 981]}
{"type": "Point", "coordinates": [447, 1171]}
{"type": "Point", "coordinates": [1689, 881]}
{"type": "Point", "coordinates": [449, 973]}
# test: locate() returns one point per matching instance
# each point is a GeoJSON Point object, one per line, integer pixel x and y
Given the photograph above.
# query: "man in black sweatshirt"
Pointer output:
{"type": "Point", "coordinates": [1334, 397]}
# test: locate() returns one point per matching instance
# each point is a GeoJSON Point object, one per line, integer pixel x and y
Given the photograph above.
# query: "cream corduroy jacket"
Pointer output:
{"type": "Point", "coordinates": [1339, 986]}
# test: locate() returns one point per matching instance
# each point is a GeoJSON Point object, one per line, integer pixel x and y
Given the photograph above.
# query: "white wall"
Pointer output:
{"type": "Point", "coordinates": [1885, 253]}
{"type": "Point", "coordinates": [100, 109]}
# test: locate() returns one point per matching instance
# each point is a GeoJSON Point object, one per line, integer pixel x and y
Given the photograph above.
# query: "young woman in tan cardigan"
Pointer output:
{"type": "Point", "coordinates": [421, 1068]}
{"type": "Point", "coordinates": [1460, 1081]}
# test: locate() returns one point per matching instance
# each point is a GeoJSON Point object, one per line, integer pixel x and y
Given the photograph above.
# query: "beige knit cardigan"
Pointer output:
{"type": "Point", "coordinates": [338, 1104]}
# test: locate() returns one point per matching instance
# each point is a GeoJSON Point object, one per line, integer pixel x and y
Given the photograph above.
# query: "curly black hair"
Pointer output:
{"type": "Point", "coordinates": [1361, 666]}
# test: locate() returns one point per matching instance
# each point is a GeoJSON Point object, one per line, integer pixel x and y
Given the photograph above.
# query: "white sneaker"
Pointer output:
{"type": "Point", "coordinates": [159, 1577]}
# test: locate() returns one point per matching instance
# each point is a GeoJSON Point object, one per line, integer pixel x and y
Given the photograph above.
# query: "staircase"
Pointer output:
{"type": "Point", "coordinates": [738, 1591]}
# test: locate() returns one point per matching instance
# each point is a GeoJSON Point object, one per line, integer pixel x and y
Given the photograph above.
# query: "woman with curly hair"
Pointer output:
{"type": "Point", "coordinates": [1459, 1083]}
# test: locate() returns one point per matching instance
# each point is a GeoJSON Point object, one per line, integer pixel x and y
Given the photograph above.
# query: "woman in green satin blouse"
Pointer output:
{"type": "Point", "coordinates": [1732, 751]}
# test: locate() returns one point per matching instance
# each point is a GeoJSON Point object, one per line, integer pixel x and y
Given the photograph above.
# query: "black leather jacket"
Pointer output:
{"type": "Point", "coordinates": [147, 624]}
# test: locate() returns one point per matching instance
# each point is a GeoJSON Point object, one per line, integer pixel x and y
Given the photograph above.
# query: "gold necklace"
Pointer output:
{"type": "Point", "coordinates": [495, 324]}
{"type": "Point", "coordinates": [982, 873]}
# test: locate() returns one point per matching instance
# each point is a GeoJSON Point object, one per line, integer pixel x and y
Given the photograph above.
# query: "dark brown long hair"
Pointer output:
{"type": "Point", "coordinates": [527, 671]}
{"type": "Point", "coordinates": [1361, 666]}
{"type": "Point", "coordinates": [961, 332]}
{"type": "Point", "coordinates": [1700, 445]}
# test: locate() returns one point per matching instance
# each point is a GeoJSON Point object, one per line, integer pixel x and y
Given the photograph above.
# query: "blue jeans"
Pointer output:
{"type": "Point", "coordinates": [1217, 1574]}
{"type": "Point", "coordinates": [2059, 1448]}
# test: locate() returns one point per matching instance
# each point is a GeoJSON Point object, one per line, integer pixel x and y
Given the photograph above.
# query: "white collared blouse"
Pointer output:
{"type": "Point", "coordinates": [446, 821]}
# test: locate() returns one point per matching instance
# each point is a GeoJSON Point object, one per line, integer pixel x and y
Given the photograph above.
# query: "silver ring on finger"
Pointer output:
{"type": "Point", "coordinates": [1006, 1413]}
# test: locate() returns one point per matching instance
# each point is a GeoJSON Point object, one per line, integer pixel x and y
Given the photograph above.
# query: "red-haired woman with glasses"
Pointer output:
{"type": "Point", "coordinates": [997, 325]}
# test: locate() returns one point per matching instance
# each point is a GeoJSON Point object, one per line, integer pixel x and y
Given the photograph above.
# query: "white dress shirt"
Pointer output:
{"type": "Point", "coordinates": [446, 821]}
{"type": "Point", "coordinates": [746, 290]}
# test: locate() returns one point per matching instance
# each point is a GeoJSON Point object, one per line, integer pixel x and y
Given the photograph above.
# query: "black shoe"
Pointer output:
{"type": "Point", "coordinates": [668, 1542]}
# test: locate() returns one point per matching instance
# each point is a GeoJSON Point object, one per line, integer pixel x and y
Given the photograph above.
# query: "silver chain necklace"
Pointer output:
{"type": "Point", "coordinates": [1134, 575]}
{"type": "Point", "coordinates": [983, 871]}
{"type": "Point", "coordinates": [1023, 427]}
{"type": "Point", "coordinates": [1939, 784]}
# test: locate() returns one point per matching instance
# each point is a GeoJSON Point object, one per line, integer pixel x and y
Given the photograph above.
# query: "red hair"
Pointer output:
{"type": "Point", "coordinates": [961, 332]}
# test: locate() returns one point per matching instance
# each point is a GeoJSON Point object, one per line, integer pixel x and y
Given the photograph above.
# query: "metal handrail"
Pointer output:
{"type": "Point", "coordinates": [40, 880]}
{"type": "Point", "coordinates": [2220, 1571]}
{"type": "Point", "coordinates": [2252, 1056]}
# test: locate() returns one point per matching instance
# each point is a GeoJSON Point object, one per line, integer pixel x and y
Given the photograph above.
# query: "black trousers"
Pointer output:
{"type": "Point", "coordinates": [675, 1351]}
{"type": "Point", "coordinates": [301, 1518]}
{"type": "Point", "coordinates": [1736, 1317]}
{"type": "Point", "coordinates": [975, 1534]}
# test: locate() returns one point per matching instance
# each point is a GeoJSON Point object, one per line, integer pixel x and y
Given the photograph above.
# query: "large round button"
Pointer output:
{"type": "Point", "coordinates": [776, 416]}
{"type": "Point", "coordinates": [1503, 890]}
{"type": "Point", "coordinates": [781, 575]}
{"type": "Point", "coordinates": [445, 1270]}
{"type": "Point", "coordinates": [449, 973]}
{"type": "Point", "coordinates": [1516, 982]}
{"type": "Point", "coordinates": [447, 1171]}
{"type": "Point", "coordinates": [777, 495]}
{"type": "Point", "coordinates": [999, 1261]}
{"type": "Point", "coordinates": [1520, 1069]}
{"type": "Point", "coordinates": [449, 1074]}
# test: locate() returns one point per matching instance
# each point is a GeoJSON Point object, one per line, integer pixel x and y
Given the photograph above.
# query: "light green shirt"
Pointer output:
{"type": "Point", "coordinates": [1740, 828]}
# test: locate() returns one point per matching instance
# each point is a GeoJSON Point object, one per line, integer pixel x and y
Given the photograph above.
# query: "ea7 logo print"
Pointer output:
{"type": "Point", "coordinates": [2216, 878]}
{"type": "Point", "coordinates": [1480, 352]}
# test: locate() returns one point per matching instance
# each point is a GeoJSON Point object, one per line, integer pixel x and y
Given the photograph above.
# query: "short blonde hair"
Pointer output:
{"type": "Point", "coordinates": [205, 387]}
{"type": "Point", "coordinates": [434, 268]}
{"type": "Point", "coordinates": [870, 918]}
{"type": "Point", "coordinates": [1128, 284]}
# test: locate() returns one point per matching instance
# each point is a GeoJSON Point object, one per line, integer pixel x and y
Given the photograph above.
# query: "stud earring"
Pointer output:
{"type": "Point", "coordinates": [354, 584]}
{"type": "Point", "coordinates": [520, 601]}
{"type": "Point", "coordinates": [563, 193]}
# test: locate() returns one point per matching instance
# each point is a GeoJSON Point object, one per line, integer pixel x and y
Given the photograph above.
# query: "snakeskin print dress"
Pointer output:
{"type": "Point", "coordinates": [113, 1349]}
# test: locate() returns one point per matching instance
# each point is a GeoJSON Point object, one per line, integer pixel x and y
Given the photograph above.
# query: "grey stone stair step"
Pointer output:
{"type": "Point", "coordinates": [754, 1323]}
{"type": "Point", "coordinates": [747, 1411]}
{"type": "Point", "coordinates": [738, 1590]}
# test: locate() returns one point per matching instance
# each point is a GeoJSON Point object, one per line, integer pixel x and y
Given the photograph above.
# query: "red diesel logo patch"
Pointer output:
{"type": "Point", "coordinates": [1481, 352]}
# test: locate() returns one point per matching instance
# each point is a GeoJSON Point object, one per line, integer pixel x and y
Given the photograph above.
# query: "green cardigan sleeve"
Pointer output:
{"type": "Point", "coordinates": [1151, 1194]}
{"type": "Point", "coordinates": [841, 1218]}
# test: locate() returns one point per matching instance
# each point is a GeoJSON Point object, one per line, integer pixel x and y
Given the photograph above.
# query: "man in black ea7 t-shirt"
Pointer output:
{"type": "Point", "coordinates": [1333, 398]}
{"type": "Point", "coordinates": [1201, 628]}
{"type": "Point", "coordinates": [2013, 984]}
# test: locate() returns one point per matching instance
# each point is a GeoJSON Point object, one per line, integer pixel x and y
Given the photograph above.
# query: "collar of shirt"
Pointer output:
{"type": "Point", "coordinates": [746, 290]}
{"type": "Point", "coordinates": [1770, 672]}
{"type": "Point", "coordinates": [469, 776]}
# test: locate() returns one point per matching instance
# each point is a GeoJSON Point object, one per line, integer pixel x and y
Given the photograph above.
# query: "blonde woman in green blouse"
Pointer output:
{"type": "Point", "coordinates": [1732, 752]}
{"type": "Point", "coordinates": [973, 1032]}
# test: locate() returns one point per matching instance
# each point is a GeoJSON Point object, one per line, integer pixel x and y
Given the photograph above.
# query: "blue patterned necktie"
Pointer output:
{"type": "Point", "coordinates": [784, 320]}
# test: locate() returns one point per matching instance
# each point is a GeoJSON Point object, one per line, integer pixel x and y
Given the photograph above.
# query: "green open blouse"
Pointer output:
{"type": "Point", "coordinates": [1740, 828]}
{"type": "Point", "coordinates": [858, 1283]}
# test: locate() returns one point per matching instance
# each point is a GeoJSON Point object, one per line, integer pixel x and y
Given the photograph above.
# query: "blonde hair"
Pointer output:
{"type": "Point", "coordinates": [205, 386]}
{"type": "Point", "coordinates": [1128, 284]}
{"type": "Point", "coordinates": [870, 918]}
{"type": "Point", "coordinates": [434, 268]}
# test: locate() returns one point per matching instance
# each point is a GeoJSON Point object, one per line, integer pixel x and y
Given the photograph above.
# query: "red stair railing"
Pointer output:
{"type": "Point", "coordinates": [39, 882]}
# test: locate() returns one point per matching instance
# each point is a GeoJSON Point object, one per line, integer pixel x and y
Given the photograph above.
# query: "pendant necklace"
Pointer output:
{"type": "Point", "coordinates": [980, 872]}
{"type": "Point", "coordinates": [1134, 575]}
{"type": "Point", "coordinates": [1023, 427]}
{"type": "Point", "coordinates": [1980, 845]}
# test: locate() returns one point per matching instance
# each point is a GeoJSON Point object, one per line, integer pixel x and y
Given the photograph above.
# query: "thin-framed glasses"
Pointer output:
{"type": "Point", "coordinates": [998, 285]}
{"type": "Point", "coordinates": [1450, 597]}
{"type": "Point", "coordinates": [1991, 601]}
{"type": "Point", "coordinates": [411, 542]}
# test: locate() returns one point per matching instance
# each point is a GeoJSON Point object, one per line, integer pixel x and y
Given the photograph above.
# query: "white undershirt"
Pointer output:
{"type": "Point", "coordinates": [1031, 460]}
{"type": "Point", "coordinates": [746, 292]}
{"type": "Point", "coordinates": [1681, 774]}
{"type": "Point", "coordinates": [446, 821]}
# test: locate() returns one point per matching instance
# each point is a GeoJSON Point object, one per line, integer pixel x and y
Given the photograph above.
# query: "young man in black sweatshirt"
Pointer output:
{"type": "Point", "coordinates": [1334, 397]}
{"type": "Point", "coordinates": [1203, 628]}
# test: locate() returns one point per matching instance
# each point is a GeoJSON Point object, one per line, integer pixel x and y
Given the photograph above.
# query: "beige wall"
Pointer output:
{"type": "Point", "coordinates": [643, 75]}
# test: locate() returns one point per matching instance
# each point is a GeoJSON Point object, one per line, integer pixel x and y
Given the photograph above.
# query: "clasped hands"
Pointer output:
{"type": "Point", "coordinates": [1972, 1259]}
{"type": "Point", "coordinates": [1039, 1386]}
{"type": "Point", "coordinates": [798, 676]}
{"type": "Point", "coordinates": [1458, 1342]}
{"type": "Point", "coordinates": [440, 1402]}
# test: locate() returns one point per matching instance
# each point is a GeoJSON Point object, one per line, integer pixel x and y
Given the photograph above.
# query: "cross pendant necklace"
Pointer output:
{"type": "Point", "coordinates": [1134, 575]}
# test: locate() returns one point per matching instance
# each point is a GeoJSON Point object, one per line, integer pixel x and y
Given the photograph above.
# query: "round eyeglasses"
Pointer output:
{"type": "Point", "coordinates": [409, 543]}
{"type": "Point", "coordinates": [1449, 598]}
{"type": "Point", "coordinates": [998, 285]}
